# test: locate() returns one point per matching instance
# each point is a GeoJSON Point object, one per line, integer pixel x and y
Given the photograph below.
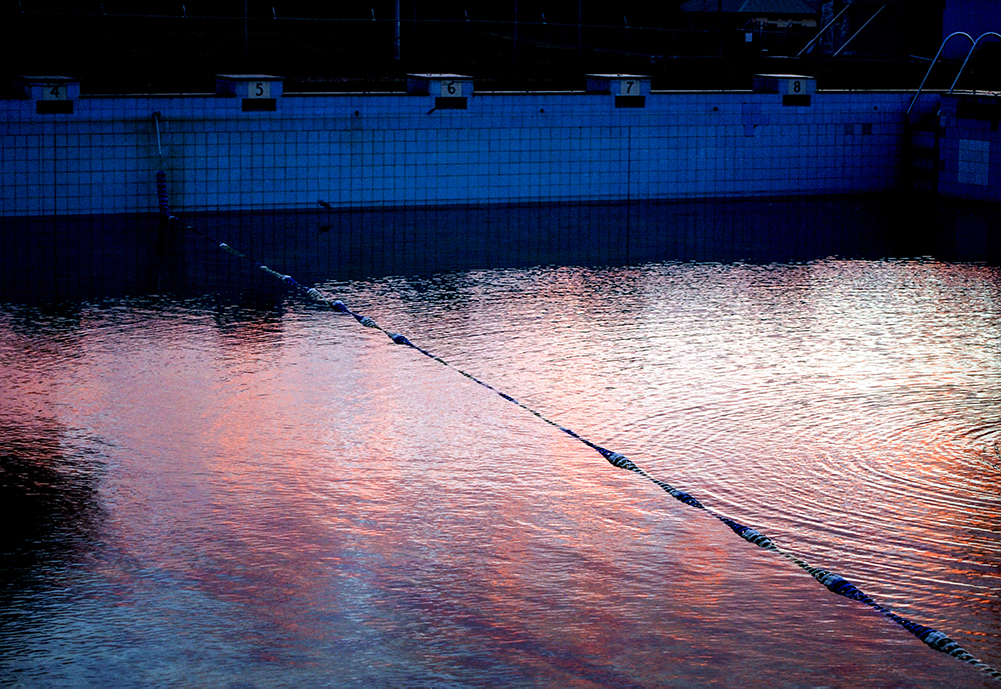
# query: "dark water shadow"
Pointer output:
{"type": "Point", "coordinates": [50, 495]}
{"type": "Point", "coordinates": [74, 259]}
{"type": "Point", "coordinates": [49, 473]}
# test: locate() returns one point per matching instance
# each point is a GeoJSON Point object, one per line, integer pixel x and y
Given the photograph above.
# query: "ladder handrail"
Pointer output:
{"type": "Point", "coordinates": [859, 31]}
{"type": "Point", "coordinates": [970, 54]}
{"type": "Point", "coordinates": [940, 49]}
{"type": "Point", "coordinates": [829, 25]}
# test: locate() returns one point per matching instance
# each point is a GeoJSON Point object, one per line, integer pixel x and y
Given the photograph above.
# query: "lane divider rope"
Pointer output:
{"type": "Point", "coordinates": [832, 581]}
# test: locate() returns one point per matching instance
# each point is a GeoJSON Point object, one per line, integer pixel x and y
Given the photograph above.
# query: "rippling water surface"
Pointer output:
{"type": "Point", "coordinates": [220, 486]}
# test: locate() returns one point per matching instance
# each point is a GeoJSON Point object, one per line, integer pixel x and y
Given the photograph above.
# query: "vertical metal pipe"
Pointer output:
{"type": "Point", "coordinates": [396, 32]}
{"type": "Point", "coordinates": [579, 45]}
{"type": "Point", "coordinates": [515, 30]}
{"type": "Point", "coordinates": [156, 121]}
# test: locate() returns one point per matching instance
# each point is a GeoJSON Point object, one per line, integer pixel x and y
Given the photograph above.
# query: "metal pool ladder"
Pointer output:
{"type": "Point", "coordinates": [921, 153]}
{"type": "Point", "coordinates": [973, 47]}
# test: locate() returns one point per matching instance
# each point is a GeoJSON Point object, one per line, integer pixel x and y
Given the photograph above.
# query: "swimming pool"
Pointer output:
{"type": "Point", "coordinates": [222, 483]}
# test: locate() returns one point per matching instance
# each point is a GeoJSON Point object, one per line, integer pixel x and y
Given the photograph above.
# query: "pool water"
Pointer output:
{"type": "Point", "coordinates": [214, 481]}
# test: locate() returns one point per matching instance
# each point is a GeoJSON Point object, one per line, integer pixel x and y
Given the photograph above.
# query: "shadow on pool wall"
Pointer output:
{"type": "Point", "coordinates": [94, 257]}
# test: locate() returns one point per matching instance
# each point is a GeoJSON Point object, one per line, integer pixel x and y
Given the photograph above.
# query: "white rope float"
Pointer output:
{"type": "Point", "coordinates": [830, 580]}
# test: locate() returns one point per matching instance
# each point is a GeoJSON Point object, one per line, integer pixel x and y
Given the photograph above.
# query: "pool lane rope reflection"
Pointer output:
{"type": "Point", "coordinates": [832, 581]}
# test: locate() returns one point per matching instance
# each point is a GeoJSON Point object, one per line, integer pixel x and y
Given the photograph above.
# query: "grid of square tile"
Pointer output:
{"type": "Point", "coordinates": [969, 152]}
{"type": "Point", "coordinates": [382, 150]}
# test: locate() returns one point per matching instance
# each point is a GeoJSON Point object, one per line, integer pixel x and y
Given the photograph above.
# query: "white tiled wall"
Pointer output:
{"type": "Point", "coordinates": [389, 150]}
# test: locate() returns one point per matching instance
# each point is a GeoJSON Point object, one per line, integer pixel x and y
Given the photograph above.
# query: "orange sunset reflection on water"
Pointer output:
{"type": "Point", "coordinates": [285, 495]}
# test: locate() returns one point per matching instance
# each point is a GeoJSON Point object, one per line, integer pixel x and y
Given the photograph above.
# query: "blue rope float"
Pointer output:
{"type": "Point", "coordinates": [834, 582]}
